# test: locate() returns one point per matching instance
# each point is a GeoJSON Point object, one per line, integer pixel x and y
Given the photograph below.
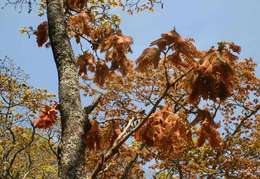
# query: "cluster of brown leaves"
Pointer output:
{"type": "Point", "coordinates": [86, 62]}
{"type": "Point", "coordinates": [178, 44]}
{"type": "Point", "coordinates": [149, 57]}
{"type": "Point", "coordinates": [47, 117]}
{"type": "Point", "coordinates": [104, 39]}
{"type": "Point", "coordinates": [167, 132]}
{"type": "Point", "coordinates": [214, 77]}
{"type": "Point", "coordinates": [76, 4]}
{"type": "Point", "coordinates": [116, 167]}
{"type": "Point", "coordinates": [115, 47]}
{"type": "Point", "coordinates": [208, 130]}
{"type": "Point", "coordinates": [42, 34]}
{"type": "Point", "coordinates": [183, 51]}
{"type": "Point", "coordinates": [100, 138]}
{"type": "Point", "coordinates": [79, 25]}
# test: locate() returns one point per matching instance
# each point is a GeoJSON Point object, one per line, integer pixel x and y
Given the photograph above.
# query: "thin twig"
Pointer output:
{"type": "Point", "coordinates": [240, 125]}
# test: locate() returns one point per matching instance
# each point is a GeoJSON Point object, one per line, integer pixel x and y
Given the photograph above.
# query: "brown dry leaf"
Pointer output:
{"type": "Point", "coordinates": [234, 47]}
{"type": "Point", "coordinates": [79, 24]}
{"type": "Point", "coordinates": [165, 40]}
{"type": "Point", "coordinates": [223, 46]}
{"type": "Point", "coordinates": [176, 60]}
{"type": "Point", "coordinates": [208, 130]}
{"type": "Point", "coordinates": [92, 137]}
{"type": "Point", "coordinates": [150, 56]}
{"type": "Point", "coordinates": [222, 68]}
{"type": "Point", "coordinates": [76, 4]}
{"type": "Point", "coordinates": [117, 42]}
{"type": "Point", "coordinates": [185, 46]}
{"type": "Point", "coordinates": [85, 61]}
{"type": "Point", "coordinates": [214, 78]}
{"type": "Point", "coordinates": [102, 72]}
{"type": "Point", "coordinates": [179, 45]}
{"type": "Point", "coordinates": [161, 43]}
{"type": "Point", "coordinates": [202, 86]}
{"type": "Point", "coordinates": [123, 39]}
{"type": "Point", "coordinates": [48, 116]}
{"type": "Point", "coordinates": [109, 133]}
{"type": "Point", "coordinates": [42, 33]}
{"type": "Point", "coordinates": [108, 43]}
{"type": "Point", "coordinates": [202, 136]}
{"type": "Point", "coordinates": [165, 131]}
{"type": "Point", "coordinates": [125, 66]}
{"type": "Point", "coordinates": [214, 138]}
{"type": "Point", "coordinates": [205, 65]}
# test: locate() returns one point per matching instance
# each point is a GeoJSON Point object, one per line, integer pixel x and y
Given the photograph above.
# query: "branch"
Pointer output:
{"type": "Point", "coordinates": [91, 107]}
{"type": "Point", "coordinates": [50, 145]}
{"type": "Point", "coordinates": [119, 141]}
{"type": "Point", "coordinates": [240, 125]}
{"type": "Point", "coordinates": [180, 170]}
{"type": "Point", "coordinates": [29, 167]}
{"type": "Point", "coordinates": [131, 164]}
{"type": "Point", "coordinates": [216, 111]}
{"type": "Point", "coordinates": [21, 149]}
{"type": "Point", "coordinates": [181, 105]}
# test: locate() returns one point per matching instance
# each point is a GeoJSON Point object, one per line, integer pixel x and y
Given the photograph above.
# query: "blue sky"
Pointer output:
{"type": "Point", "coordinates": [207, 21]}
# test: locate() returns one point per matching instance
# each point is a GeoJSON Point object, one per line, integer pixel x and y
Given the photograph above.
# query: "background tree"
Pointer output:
{"type": "Point", "coordinates": [24, 150]}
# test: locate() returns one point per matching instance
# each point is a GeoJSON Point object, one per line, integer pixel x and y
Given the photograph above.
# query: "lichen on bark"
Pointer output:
{"type": "Point", "coordinates": [71, 161]}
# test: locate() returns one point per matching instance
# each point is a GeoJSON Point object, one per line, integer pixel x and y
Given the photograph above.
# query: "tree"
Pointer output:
{"type": "Point", "coordinates": [24, 151]}
{"type": "Point", "coordinates": [193, 112]}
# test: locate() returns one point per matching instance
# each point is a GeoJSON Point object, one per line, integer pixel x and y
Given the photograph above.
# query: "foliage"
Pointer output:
{"type": "Point", "coordinates": [193, 87]}
{"type": "Point", "coordinates": [47, 117]}
{"type": "Point", "coordinates": [24, 151]}
{"type": "Point", "coordinates": [190, 112]}
{"type": "Point", "coordinates": [208, 106]}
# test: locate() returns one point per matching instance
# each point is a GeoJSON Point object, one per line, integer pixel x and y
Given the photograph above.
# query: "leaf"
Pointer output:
{"type": "Point", "coordinates": [123, 39]}
{"type": "Point", "coordinates": [23, 30]}
{"type": "Point", "coordinates": [176, 60]}
{"type": "Point", "coordinates": [166, 39]}
{"type": "Point", "coordinates": [214, 78]}
{"type": "Point", "coordinates": [165, 131]}
{"type": "Point", "coordinates": [76, 4]}
{"type": "Point", "coordinates": [234, 47]}
{"type": "Point", "coordinates": [102, 72]}
{"type": "Point", "coordinates": [79, 24]}
{"type": "Point", "coordinates": [85, 61]}
{"type": "Point", "coordinates": [92, 137]}
{"type": "Point", "coordinates": [47, 117]}
{"type": "Point", "coordinates": [42, 33]}
{"type": "Point", "coordinates": [150, 56]}
{"type": "Point", "coordinates": [208, 130]}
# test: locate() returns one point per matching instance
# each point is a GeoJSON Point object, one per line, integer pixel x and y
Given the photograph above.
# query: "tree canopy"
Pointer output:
{"type": "Point", "coordinates": [184, 111]}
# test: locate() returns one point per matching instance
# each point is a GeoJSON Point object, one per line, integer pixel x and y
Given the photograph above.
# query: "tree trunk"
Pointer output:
{"type": "Point", "coordinates": [73, 126]}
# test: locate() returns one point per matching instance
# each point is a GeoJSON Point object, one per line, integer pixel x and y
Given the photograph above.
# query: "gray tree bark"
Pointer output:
{"type": "Point", "coordinates": [71, 159]}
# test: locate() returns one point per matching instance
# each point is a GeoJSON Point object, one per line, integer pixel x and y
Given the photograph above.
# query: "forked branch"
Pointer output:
{"type": "Point", "coordinates": [122, 138]}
